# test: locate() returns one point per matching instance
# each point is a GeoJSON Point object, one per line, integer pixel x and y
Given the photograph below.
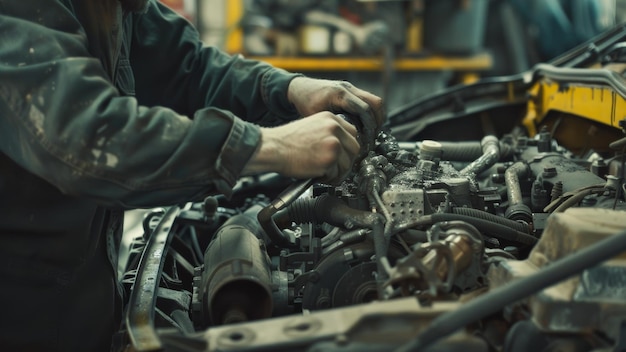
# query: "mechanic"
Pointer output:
{"type": "Point", "coordinates": [107, 105]}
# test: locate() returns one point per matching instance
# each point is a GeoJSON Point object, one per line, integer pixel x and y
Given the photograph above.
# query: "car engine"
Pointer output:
{"type": "Point", "coordinates": [488, 217]}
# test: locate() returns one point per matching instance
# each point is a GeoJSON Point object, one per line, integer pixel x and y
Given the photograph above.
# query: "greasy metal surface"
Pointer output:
{"type": "Point", "coordinates": [140, 315]}
{"type": "Point", "coordinates": [388, 322]}
{"type": "Point", "coordinates": [593, 300]}
{"type": "Point", "coordinates": [405, 205]}
{"type": "Point", "coordinates": [236, 266]}
{"type": "Point", "coordinates": [571, 175]}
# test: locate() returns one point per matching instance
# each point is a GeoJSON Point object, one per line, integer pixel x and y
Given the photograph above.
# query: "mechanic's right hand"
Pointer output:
{"type": "Point", "coordinates": [322, 146]}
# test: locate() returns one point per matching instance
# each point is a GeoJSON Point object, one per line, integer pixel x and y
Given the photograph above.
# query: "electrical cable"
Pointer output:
{"type": "Point", "coordinates": [556, 203]}
{"type": "Point", "coordinates": [495, 229]}
{"type": "Point", "coordinates": [621, 176]}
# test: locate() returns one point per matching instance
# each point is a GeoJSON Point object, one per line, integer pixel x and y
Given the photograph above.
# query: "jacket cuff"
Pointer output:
{"type": "Point", "coordinates": [240, 145]}
{"type": "Point", "coordinates": [274, 86]}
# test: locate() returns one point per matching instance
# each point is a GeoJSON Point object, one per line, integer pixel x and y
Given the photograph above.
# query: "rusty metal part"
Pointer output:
{"type": "Point", "coordinates": [237, 276]}
{"type": "Point", "coordinates": [140, 314]}
{"type": "Point", "coordinates": [606, 316]}
{"type": "Point", "coordinates": [516, 210]}
{"type": "Point", "coordinates": [593, 300]}
{"type": "Point", "coordinates": [266, 216]}
{"type": "Point", "coordinates": [432, 268]}
{"type": "Point", "coordinates": [384, 324]}
{"type": "Point", "coordinates": [491, 154]}
{"type": "Point", "coordinates": [405, 206]}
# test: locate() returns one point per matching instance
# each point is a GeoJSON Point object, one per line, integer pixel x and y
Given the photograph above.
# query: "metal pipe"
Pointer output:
{"type": "Point", "coordinates": [236, 282]}
{"type": "Point", "coordinates": [500, 297]}
{"type": "Point", "coordinates": [329, 209]}
{"type": "Point", "coordinates": [516, 210]}
{"type": "Point", "coordinates": [511, 178]}
{"type": "Point", "coordinates": [491, 154]}
{"type": "Point", "coordinates": [266, 215]}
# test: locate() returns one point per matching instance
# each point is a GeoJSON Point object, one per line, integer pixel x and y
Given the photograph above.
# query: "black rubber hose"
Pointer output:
{"type": "Point", "coordinates": [516, 210]}
{"type": "Point", "coordinates": [500, 297]}
{"type": "Point", "coordinates": [267, 214]}
{"type": "Point", "coordinates": [618, 144]}
{"type": "Point", "coordinates": [332, 210]}
{"type": "Point", "coordinates": [511, 177]}
{"type": "Point", "coordinates": [412, 236]}
{"type": "Point", "coordinates": [266, 220]}
{"type": "Point", "coordinates": [326, 208]}
{"type": "Point", "coordinates": [461, 151]}
{"type": "Point", "coordinates": [490, 155]}
{"type": "Point", "coordinates": [476, 213]}
{"type": "Point", "coordinates": [497, 230]}
{"type": "Point", "coordinates": [469, 151]}
{"type": "Point", "coordinates": [302, 211]}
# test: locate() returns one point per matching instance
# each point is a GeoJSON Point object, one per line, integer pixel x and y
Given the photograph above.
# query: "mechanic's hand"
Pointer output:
{"type": "Point", "coordinates": [310, 96]}
{"type": "Point", "coordinates": [322, 146]}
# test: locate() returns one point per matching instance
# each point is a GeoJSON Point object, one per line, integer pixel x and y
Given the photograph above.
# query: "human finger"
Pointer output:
{"type": "Point", "coordinates": [348, 137]}
{"type": "Point", "coordinates": [375, 103]}
{"type": "Point", "coordinates": [331, 174]}
{"type": "Point", "coordinates": [344, 162]}
{"type": "Point", "coordinates": [338, 171]}
{"type": "Point", "coordinates": [354, 105]}
{"type": "Point", "coordinates": [350, 128]}
{"type": "Point", "coordinates": [347, 101]}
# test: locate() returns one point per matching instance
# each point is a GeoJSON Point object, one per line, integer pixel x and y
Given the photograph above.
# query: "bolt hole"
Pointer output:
{"type": "Point", "coordinates": [303, 327]}
{"type": "Point", "coordinates": [236, 336]}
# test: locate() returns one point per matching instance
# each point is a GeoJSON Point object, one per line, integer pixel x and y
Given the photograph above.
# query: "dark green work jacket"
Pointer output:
{"type": "Point", "coordinates": [102, 111]}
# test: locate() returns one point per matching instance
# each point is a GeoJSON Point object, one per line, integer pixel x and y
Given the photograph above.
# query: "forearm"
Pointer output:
{"type": "Point", "coordinates": [62, 120]}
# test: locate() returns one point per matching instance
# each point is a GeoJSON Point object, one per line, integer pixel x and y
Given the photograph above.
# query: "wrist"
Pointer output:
{"type": "Point", "coordinates": [268, 156]}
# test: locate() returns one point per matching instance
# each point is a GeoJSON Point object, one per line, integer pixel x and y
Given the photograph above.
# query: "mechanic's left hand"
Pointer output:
{"type": "Point", "coordinates": [311, 96]}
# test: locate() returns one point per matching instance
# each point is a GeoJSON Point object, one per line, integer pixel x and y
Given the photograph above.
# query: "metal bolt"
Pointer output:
{"type": "Point", "coordinates": [549, 171]}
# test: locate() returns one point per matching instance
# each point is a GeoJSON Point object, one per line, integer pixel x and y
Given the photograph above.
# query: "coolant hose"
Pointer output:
{"type": "Point", "coordinates": [476, 213]}
{"type": "Point", "coordinates": [266, 215]}
{"type": "Point", "coordinates": [513, 188]}
{"type": "Point", "coordinates": [491, 154]}
{"type": "Point", "coordinates": [329, 209]}
{"type": "Point", "coordinates": [332, 210]}
{"type": "Point", "coordinates": [497, 230]}
{"type": "Point", "coordinates": [516, 210]}
{"type": "Point", "coordinates": [500, 297]}
{"type": "Point", "coordinates": [461, 151]}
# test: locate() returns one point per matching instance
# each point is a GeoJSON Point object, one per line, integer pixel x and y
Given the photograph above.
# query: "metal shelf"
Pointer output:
{"type": "Point", "coordinates": [476, 62]}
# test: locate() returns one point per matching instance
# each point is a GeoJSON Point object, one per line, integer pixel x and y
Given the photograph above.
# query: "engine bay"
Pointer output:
{"type": "Point", "coordinates": [480, 221]}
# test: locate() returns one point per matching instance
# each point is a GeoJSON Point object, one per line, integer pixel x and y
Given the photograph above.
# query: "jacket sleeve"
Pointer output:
{"type": "Point", "coordinates": [173, 68]}
{"type": "Point", "coordinates": [62, 120]}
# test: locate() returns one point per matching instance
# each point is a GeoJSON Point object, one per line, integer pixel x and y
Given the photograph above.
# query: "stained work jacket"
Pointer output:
{"type": "Point", "coordinates": [101, 111]}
